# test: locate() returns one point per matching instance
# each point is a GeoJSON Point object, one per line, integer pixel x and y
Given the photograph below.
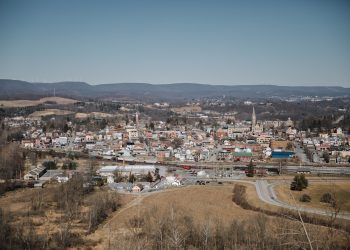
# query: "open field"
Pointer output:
{"type": "Point", "coordinates": [28, 103]}
{"type": "Point", "coordinates": [341, 190]}
{"type": "Point", "coordinates": [47, 112]}
{"type": "Point", "coordinates": [201, 204]}
{"type": "Point", "coordinates": [93, 114]}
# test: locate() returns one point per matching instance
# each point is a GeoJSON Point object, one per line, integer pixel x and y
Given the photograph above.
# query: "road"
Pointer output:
{"type": "Point", "coordinates": [266, 194]}
{"type": "Point", "coordinates": [299, 152]}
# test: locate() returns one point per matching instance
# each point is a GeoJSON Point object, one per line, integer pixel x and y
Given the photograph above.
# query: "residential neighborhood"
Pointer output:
{"type": "Point", "coordinates": [207, 141]}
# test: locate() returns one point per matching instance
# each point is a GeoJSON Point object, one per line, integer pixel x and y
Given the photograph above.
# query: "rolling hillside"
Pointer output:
{"type": "Point", "coordinates": [14, 89]}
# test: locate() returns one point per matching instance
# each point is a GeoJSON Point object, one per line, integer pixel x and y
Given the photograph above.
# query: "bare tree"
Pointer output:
{"type": "Point", "coordinates": [206, 234]}
{"type": "Point", "coordinates": [11, 162]}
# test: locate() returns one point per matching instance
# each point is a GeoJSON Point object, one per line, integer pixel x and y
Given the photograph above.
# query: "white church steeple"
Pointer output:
{"type": "Point", "coordinates": [253, 118]}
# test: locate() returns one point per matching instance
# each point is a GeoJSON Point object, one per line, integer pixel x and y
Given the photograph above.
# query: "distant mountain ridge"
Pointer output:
{"type": "Point", "coordinates": [15, 89]}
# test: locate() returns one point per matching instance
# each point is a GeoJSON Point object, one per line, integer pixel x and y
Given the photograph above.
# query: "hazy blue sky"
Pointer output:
{"type": "Point", "coordinates": [283, 42]}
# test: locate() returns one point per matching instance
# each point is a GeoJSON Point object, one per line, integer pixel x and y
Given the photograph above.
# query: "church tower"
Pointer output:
{"type": "Point", "coordinates": [253, 118]}
{"type": "Point", "coordinates": [137, 119]}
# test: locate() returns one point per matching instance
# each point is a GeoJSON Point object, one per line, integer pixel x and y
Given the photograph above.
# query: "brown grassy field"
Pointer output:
{"type": "Point", "coordinates": [201, 203]}
{"type": "Point", "coordinates": [93, 114]}
{"type": "Point", "coordinates": [28, 103]}
{"type": "Point", "coordinates": [47, 112]}
{"type": "Point", "coordinates": [341, 190]}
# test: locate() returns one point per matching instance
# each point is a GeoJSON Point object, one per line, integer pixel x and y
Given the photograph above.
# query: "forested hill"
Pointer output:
{"type": "Point", "coordinates": [14, 89]}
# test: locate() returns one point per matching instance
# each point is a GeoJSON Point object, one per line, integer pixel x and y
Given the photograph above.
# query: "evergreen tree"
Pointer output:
{"type": "Point", "coordinates": [50, 165]}
{"type": "Point", "coordinates": [131, 178]}
{"type": "Point", "coordinates": [149, 177]}
{"type": "Point", "coordinates": [299, 183]}
{"type": "Point", "coordinates": [65, 128]}
{"type": "Point", "coordinates": [304, 181]}
{"type": "Point", "coordinates": [156, 173]}
{"type": "Point", "coordinates": [250, 170]}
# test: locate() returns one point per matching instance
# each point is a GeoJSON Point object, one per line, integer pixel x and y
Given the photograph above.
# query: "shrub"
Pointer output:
{"type": "Point", "coordinates": [71, 165]}
{"type": "Point", "coordinates": [305, 198]}
{"type": "Point", "coordinates": [327, 198]}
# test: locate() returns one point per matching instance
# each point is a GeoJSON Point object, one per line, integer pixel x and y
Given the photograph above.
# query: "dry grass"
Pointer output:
{"type": "Point", "coordinates": [341, 190]}
{"type": "Point", "coordinates": [93, 114]}
{"type": "Point", "coordinates": [291, 176]}
{"type": "Point", "coordinates": [199, 202]}
{"type": "Point", "coordinates": [17, 201]}
{"type": "Point", "coordinates": [48, 112]}
{"type": "Point", "coordinates": [28, 103]}
{"type": "Point", "coordinates": [49, 219]}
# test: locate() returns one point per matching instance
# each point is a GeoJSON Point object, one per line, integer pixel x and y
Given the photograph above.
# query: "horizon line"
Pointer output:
{"type": "Point", "coordinates": [195, 83]}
